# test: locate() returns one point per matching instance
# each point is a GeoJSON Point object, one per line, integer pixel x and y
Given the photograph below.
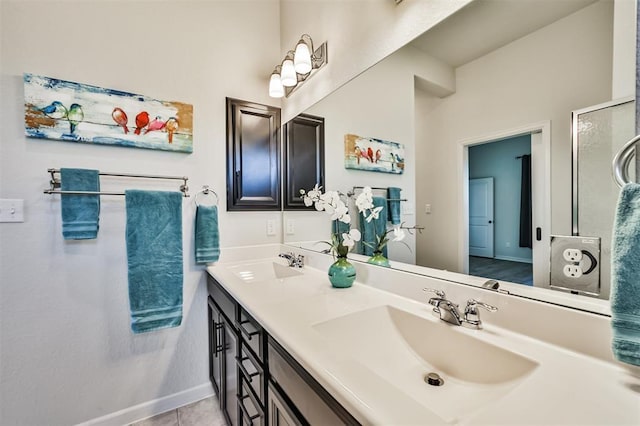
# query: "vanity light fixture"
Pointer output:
{"type": "Point", "coordinates": [296, 67]}
{"type": "Point", "coordinates": [276, 89]}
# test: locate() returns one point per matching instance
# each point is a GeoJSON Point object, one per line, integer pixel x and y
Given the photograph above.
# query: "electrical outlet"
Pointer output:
{"type": "Point", "coordinates": [575, 264]}
{"type": "Point", "coordinates": [572, 271]}
{"type": "Point", "coordinates": [271, 227]}
{"type": "Point", "coordinates": [572, 255]}
{"type": "Point", "coordinates": [291, 227]}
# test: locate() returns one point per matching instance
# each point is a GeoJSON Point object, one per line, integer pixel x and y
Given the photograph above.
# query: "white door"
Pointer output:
{"type": "Point", "coordinates": [481, 217]}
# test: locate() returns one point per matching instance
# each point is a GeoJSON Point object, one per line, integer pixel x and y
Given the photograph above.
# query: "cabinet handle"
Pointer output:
{"type": "Point", "coordinates": [219, 335]}
{"type": "Point", "coordinates": [245, 412]}
{"type": "Point", "coordinates": [245, 331]}
{"type": "Point", "coordinates": [244, 370]}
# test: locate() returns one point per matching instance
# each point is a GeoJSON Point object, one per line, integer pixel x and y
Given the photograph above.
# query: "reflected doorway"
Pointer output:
{"type": "Point", "coordinates": [515, 222]}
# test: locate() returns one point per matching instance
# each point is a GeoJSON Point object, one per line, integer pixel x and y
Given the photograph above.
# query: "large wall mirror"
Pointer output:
{"type": "Point", "coordinates": [488, 89]}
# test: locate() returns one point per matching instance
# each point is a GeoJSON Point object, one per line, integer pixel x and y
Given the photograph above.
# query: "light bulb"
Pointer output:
{"type": "Point", "coordinates": [288, 74]}
{"type": "Point", "coordinates": [276, 90]}
{"type": "Point", "coordinates": [302, 58]}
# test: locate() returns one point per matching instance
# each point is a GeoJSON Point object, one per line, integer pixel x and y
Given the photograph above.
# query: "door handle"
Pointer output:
{"type": "Point", "coordinates": [490, 221]}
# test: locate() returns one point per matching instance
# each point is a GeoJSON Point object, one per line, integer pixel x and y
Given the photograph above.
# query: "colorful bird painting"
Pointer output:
{"type": "Point", "coordinates": [142, 119]}
{"type": "Point", "coordinates": [75, 116]}
{"type": "Point", "coordinates": [171, 126]}
{"type": "Point", "coordinates": [55, 110]}
{"type": "Point", "coordinates": [120, 117]}
{"type": "Point", "coordinates": [370, 154]}
{"type": "Point", "coordinates": [156, 124]}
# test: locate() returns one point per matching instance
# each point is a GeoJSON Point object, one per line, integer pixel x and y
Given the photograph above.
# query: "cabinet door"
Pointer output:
{"type": "Point", "coordinates": [230, 374]}
{"type": "Point", "coordinates": [281, 412]}
{"type": "Point", "coordinates": [215, 348]}
{"type": "Point", "coordinates": [253, 156]}
{"type": "Point", "coordinates": [304, 158]}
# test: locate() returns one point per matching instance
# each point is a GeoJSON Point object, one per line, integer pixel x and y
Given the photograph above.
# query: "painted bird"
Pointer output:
{"type": "Point", "coordinates": [55, 110]}
{"type": "Point", "coordinates": [156, 124]}
{"type": "Point", "coordinates": [171, 126]}
{"type": "Point", "coordinates": [75, 116]}
{"type": "Point", "coordinates": [370, 154]}
{"type": "Point", "coordinates": [142, 119]}
{"type": "Point", "coordinates": [120, 117]}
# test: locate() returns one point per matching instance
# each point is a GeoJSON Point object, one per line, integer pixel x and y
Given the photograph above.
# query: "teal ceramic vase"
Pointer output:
{"type": "Point", "coordinates": [342, 274]}
{"type": "Point", "coordinates": [379, 259]}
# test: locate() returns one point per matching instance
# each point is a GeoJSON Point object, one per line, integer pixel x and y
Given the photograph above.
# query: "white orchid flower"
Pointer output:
{"type": "Point", "coordinates": [349, 239]}
{"type": "Point", "coordinates": [364, 201]}
{"type": "Point", "coordinates": [345, 218]}
{"type": "Point", "coordinates": [339, 211]}
{"type": "Point", "coordinates": [375, 212]}
{"type": "Point", "coordinates": [315, 193]}
{"type": "Point", "coordinates": [307, 201]}
{"type": "Point", "coordinates": [398, 233]}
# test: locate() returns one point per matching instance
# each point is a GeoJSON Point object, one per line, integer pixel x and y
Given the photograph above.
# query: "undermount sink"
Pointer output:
{"type": "Point", "coordinates": [403, 348]}
{"type": "Point", "coordinates": [262, 271]}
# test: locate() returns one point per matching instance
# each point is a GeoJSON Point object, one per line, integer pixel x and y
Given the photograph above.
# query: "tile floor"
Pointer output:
{"type": "Point", "coordinates": [202, 413]}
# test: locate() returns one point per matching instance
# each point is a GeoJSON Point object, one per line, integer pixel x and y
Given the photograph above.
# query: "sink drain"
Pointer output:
{"type": "Point", "coordinates": [434, 379]}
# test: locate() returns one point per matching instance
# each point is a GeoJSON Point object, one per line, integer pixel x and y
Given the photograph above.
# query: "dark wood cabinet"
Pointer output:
{"type": "Point", "coordinates": [236, 359]}
{"type": "Point", "coordinates": [303, 158]}
{"type": "Point", "coordinates": [253, 156]}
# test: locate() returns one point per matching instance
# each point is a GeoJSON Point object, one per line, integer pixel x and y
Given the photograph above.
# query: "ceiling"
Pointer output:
{"type": "Point", "coordinates": [486, 25]}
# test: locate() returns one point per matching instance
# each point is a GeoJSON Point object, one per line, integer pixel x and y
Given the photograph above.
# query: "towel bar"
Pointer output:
{"type": "Point", "coordinates": [353, 192]}
{"type": "Point", "coordinates": [55, 183]}
{"type": "Point", "coordinates": [620, 164]}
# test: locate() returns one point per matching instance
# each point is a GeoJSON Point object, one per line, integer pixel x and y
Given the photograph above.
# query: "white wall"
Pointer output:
{"type": "Point", "coordinates": [543, 76]}
{"type": "Point", "coordinates": [67, 351]}
{"type": "Point", "coordinates": [359, 34]}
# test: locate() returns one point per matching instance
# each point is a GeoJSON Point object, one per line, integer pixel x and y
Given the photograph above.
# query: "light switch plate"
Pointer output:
{"type": "Point", "coordinates": [11, 210]}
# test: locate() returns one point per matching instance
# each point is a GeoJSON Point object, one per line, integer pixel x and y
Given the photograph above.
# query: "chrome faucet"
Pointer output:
{"type": "Point", "coordinates": [294, 261]}
{"type": "Point", "coordinates": [449, 312]}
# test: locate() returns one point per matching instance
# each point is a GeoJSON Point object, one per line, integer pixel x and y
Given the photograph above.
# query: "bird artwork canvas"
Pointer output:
{"type": "Point", "coordinates": [75, 112]}
{"type": "Point", "coordinates": [374, 155]}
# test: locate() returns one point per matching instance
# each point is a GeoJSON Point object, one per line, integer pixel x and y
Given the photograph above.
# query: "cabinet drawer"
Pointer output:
{"type": "Point", "coordinates": [252, 371]}
{"type": "Point", "coordinates": [314, 403]}
{"type": "Point", "coordinates": [250, 410]}
{"type": "Point", "coordinates": [219, 295]}
{"type": "Point", "coordinates": [252, 334]}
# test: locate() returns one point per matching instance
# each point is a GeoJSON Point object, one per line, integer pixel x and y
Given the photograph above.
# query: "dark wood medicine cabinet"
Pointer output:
{"type": "Point", "coordinates": [253, 157]}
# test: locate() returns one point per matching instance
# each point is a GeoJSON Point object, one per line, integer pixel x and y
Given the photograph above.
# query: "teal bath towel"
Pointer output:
{"type": "Point", "coordinates": [80, 213]}
{"type": "Point", "coordinates": [625, 276]}
{"type": "Point", "coordinates": [154, 255]}
{"type": "Point", "coordinates": [207, 240]}
{"type": "Point", "coordinates": [393, 195]}
{"type": "Point", "coordinates": [377, 227]}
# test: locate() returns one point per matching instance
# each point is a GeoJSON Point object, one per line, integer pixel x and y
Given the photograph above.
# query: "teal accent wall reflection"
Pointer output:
{"type": "Point", "coordinates": [498, 160]}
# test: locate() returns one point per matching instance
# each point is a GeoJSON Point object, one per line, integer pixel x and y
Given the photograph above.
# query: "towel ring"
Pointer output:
{"type": "Point", "coordinates": [206, 191]}
{"type": "Point", "coordinates": [620, 165]}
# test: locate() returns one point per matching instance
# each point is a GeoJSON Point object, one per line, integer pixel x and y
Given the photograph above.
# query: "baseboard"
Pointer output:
{"type": "Point", "coordinates": [153, 407]}
{"type": "Point", "coordinates": [514, 259]}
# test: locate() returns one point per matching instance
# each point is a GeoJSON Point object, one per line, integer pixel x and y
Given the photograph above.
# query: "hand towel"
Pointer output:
{"type": "Point", "coordinates": [154, 256]}
{"type": "Point", "coordinates": [625, 276]}
{"type": "Point", "coordinates": [393, 195]}
{"type": "Point", "coordinates": [207, 240]}
{"type": "Point", "coordinates": [80, 213]}
{"type": "Point", "coordinates": [377, 227]}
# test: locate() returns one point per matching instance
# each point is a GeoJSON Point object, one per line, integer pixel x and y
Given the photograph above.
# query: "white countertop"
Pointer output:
{"type": "Point", "coordinates": [566, 388]}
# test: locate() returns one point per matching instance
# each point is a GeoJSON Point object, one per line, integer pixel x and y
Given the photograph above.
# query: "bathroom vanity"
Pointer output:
{"type": "Point", "coordinates": [288, 348]}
